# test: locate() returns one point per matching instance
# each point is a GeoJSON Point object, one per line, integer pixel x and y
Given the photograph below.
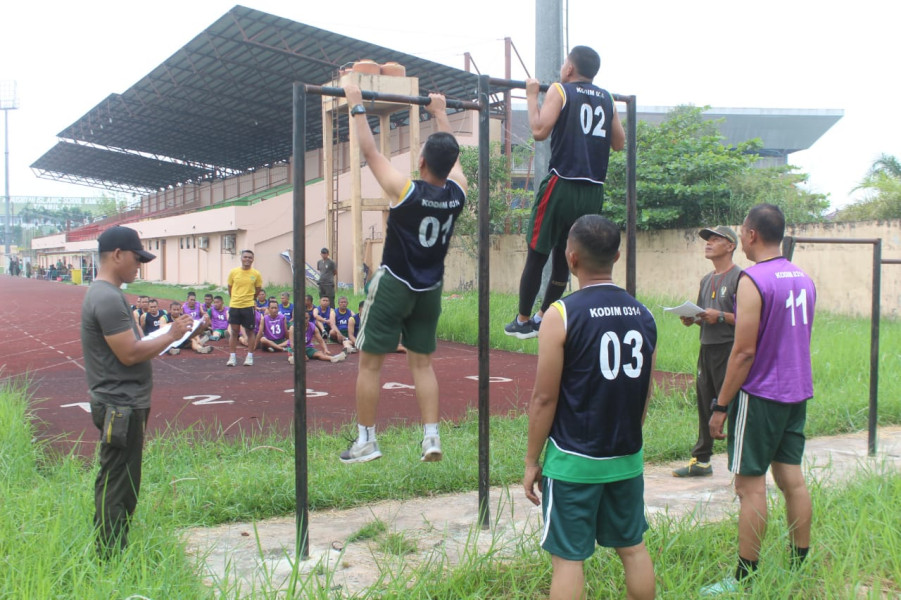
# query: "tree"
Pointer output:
{"type": "Point", "coordinates": [882, 185]}
{"type": "Point", "coordinates": [500, 195]}
{"type": "Point", "coordinates": [686, 177]}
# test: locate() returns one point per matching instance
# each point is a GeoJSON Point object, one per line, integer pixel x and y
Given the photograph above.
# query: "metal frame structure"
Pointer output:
{"type": "Point", "coordinates": [788, 249]}
{"type": "Point", "coordinates": [300, 112]}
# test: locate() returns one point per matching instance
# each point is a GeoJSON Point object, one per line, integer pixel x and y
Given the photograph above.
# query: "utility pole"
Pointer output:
{"type": "Point", "coordinates": [8, 102]}
{"type": "Point", "coordinates": [548, 60]}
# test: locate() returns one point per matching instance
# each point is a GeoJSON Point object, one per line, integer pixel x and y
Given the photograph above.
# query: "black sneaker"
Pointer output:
{"type": "Point", "coordinates": [523, 331]}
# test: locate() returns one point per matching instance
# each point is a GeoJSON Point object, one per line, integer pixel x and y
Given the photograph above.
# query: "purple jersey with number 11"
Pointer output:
{"type": "Point", "coordinates": [781, 369]}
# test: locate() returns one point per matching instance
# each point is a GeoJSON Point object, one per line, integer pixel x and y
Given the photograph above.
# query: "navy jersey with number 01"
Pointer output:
{"type": "Point", "coordinates": [610, 339]}
{"type": "Point", "coordinates": [580, 140]}
{"type": "Point", "coordinates": [419, 232]}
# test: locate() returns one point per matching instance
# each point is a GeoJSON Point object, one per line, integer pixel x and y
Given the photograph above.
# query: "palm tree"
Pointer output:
{"type": "Point", "coordinates": [882, 185]}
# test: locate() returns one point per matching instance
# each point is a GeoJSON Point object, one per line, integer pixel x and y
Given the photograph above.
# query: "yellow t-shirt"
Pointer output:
{"type": "Point", "coordinates": [243, 285]}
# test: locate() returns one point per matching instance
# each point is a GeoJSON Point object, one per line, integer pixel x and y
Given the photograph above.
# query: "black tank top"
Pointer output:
{"type": "Point", "coordinates": [580, 140]}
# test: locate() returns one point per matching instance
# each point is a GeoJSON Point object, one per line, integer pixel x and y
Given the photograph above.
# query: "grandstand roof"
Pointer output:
{"type": "Point", "coordinates": [221, 105]}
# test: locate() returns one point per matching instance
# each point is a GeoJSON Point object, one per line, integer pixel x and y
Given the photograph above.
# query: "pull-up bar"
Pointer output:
{"type": "Point", "coordinates": [788, 249]}
{"type": "Point", "coordinates": [299, 199]}
{"type": "Point", "coordinates": [322, 90]}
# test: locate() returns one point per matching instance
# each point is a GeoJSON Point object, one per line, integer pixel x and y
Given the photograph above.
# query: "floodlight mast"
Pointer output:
{"type": "Point", "coordinates": [8, 102]}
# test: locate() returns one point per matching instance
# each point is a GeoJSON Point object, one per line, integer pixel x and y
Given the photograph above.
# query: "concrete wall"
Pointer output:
{"type": "Point", "coordinates": [672, 262]}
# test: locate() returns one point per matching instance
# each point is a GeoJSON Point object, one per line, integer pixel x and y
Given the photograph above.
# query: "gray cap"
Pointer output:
{"type": "Point", "coordinates": [722, 231]}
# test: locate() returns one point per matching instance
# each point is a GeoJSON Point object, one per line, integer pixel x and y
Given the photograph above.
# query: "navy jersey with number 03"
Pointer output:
{"type": "Point", "coordinates": [580, 140]}
{"type": "Point", "coordinates": [419, 232]}
{"type": "Point", "coordinates": [610, 339]}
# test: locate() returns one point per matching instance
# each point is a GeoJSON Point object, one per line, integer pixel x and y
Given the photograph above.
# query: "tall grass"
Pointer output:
{"type": "Point", "coordinates": [46, 544]}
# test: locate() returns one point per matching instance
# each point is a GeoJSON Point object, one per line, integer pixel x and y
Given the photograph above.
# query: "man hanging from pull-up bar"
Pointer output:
{"type": "Point", "coordinates": [405, 293]}
{"type": "Point", "coordinates": [583, 125]}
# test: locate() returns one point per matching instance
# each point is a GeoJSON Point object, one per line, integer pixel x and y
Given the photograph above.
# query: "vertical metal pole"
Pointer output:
{"type": "Point", "coordinates": [874, 346]}
{"type": "Point", "coordinates": [484, 282]}
{"type": "Point", "coordinates": [631, 194]}
{"type": "Point", "coordinates": [508, 107]}
{"type": "Point", "coordinates": [6, 226]}
{"type": "Point", "coordinates": [300, 372]}
{"type": "Point", "coordinates": [788, 247]}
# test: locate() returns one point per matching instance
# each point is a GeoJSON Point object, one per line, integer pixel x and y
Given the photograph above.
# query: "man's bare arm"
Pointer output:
{"type": "Point", "coordinates": [390, 179]}
{"type": "Point", "coordinates": [543, 118]}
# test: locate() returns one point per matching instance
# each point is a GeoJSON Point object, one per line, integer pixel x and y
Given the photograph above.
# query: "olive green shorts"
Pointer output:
{"type": "Point", "coordinates": [576, 515]}
{"type": "Point", "coordinates": [762, 431]}
{"type": "Point", "coordinates": [558, 204]}
{"type": "Point", "coordinates": [392, 309]}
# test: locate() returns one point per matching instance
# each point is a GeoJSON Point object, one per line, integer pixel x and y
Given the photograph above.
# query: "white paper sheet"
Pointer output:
{"type": "Point", "coordinates": [686, 309]}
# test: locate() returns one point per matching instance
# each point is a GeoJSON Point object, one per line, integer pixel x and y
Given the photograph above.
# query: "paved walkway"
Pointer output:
{"type": "Point", "coordinates": [451, 519]}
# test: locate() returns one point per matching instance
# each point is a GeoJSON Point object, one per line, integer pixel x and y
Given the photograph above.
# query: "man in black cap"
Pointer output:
{"type": "Point", "coordinates": [717, 322]}
{"type": "Point", "coordinates": [120, 379]}
{"type": "Point", "coordinates": [327, 272]}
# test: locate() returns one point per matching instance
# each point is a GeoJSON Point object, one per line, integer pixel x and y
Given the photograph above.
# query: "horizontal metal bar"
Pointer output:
{"type": "Point", "coordinates": [323, 90]}
{"type": "Point", "coordinates": [515, 84]}
{"type": "Point", "coordinates": [891, 261]}
{"type": "Point", "coordinates": [806, 240]}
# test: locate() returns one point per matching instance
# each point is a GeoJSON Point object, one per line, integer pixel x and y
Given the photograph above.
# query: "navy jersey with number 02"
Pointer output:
{"type": "Point", "coordinates": [580, 140]}
{"type": "Point", "coordinates": [419, 232]}
{"type": "Point", "coordinates": [610, 340]}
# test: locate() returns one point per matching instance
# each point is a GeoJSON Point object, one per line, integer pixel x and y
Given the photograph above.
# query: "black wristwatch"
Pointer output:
{"type": "Point", "coordinates": [357, 109]}
{"type": "Point", "coordinates": [721, 318]}
{"type": "Point", "coordinates": [716, 407]}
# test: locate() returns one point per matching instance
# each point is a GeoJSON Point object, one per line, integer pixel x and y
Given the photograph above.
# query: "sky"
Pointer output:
{"type": "Point", "coordinates": [66, 57]}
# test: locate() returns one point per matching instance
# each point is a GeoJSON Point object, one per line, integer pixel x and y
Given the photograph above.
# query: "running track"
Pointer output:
{"type": "Point", "coordinates": [40, 338]}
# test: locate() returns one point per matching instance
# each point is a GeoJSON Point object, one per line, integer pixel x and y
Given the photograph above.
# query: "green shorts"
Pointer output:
{"type": "Point", "coordinates": [558, 203]}
{"type": "Point", "coordinates": [310, 352]}
{"type": "Point", "coordinates": [392, 309]}
{"type": "Point", "coordinates": [576, 515]}
{"type": "Point", "coordinates": [761, 432]}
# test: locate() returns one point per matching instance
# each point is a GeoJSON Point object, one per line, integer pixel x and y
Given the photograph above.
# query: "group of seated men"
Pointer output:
{"type": "Point", "coordinates": [274, 322]}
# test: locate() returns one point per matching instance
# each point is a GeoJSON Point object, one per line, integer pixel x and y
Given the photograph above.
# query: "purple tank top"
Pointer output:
{"type": "Point", "coordinates": [219, 319]}
{"type": "Point", "coordinates": [781, 369]}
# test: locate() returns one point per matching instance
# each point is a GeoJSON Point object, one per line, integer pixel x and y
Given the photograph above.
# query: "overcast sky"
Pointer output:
{"type": "Point", "coordinates": [68, 56]}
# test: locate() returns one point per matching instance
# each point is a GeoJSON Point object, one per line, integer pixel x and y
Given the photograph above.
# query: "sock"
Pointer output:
{"type": "Point", "coordinates": [250, 354]}
{"type": "Point", "coordinates": [536, 318]}
{"type": "Point", "coordinates": [430, 429]}
{"type": "Point", "coordinates": [365, 434]}
{"type": "Point", "coordinates": [745, 568]}
{"type": "Point", "coordinates": [232, 355]}
{"type": "Point", "coordinates": [798, 555]}
{"type": "Point", "coordinates": [521, 322]}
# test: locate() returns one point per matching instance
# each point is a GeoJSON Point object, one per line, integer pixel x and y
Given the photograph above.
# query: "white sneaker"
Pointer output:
{"type": "Point", "coordinates": [174, 351]}
{"type": "Point", "coordinates": [361, 452]}
{"type": "Point", "coordinates": [431, 449]}
{"type": "Point", "coordinates": [248, 361]}
{"type": "Point", "coordinates": [338, 357]}
{"type": "Point", "coordinates": [232, 361]}
{"type": "Point", "coordinates": [204, 350]}
{"type": "Point", "coordinates": [291, 359]}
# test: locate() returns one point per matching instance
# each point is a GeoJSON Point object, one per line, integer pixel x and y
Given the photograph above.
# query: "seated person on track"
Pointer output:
{"type": "Point", "coordinates": [218, 315]}
{"type": "Point", "coordinates": [275, 330]}
{"type": "Point", "coordinates": [312, 339]}
{"type": "Point", "coordinates": [154, 318]}
{"type": "Point", "coordinates": [341, 332]}
{"type": "Point", "coordinates": [286, 307]}
{"type": "Point", "coordinates": [325, 318]}
{"type": "Point", "coordinates": [194, 342]}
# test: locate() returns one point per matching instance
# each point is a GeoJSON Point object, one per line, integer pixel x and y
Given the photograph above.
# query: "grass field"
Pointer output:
{"type": "Point", "coordinates": [46, 549]}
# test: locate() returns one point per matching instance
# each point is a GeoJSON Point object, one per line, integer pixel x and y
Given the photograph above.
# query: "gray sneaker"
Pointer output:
{"type": "Point", "coordinates": [523, 331]}
{"type": "Point", "coordinates": [361, 452]}
{"type": "Point", "coordinates": [232, 361]}
{"type": "Point", "coordinates": [248, 361]}
{"type": "Point", "coordinates": [431, 449]}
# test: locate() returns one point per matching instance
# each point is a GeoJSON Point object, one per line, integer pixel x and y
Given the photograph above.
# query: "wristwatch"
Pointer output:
{"type": "Point", "coordinates": [358, 109]}
{"type": "Point", "coordinates": [716, 407]}
{"type": "Point", "coordinates": [721, 318]}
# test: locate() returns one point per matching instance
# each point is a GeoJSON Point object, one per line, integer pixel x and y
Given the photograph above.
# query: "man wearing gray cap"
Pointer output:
{"type": "Point", "coordinates": [327, 271]}
{"type": "Point", "coordinates": [120, 378]}
{"type": "Point", "coordinates": [717, 322]}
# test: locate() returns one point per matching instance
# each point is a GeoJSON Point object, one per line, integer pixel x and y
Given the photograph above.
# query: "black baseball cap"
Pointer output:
{"type": "Point", "coordinates": [323, 251]}
{"type": "Point", "coordinates": [123, 238]}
